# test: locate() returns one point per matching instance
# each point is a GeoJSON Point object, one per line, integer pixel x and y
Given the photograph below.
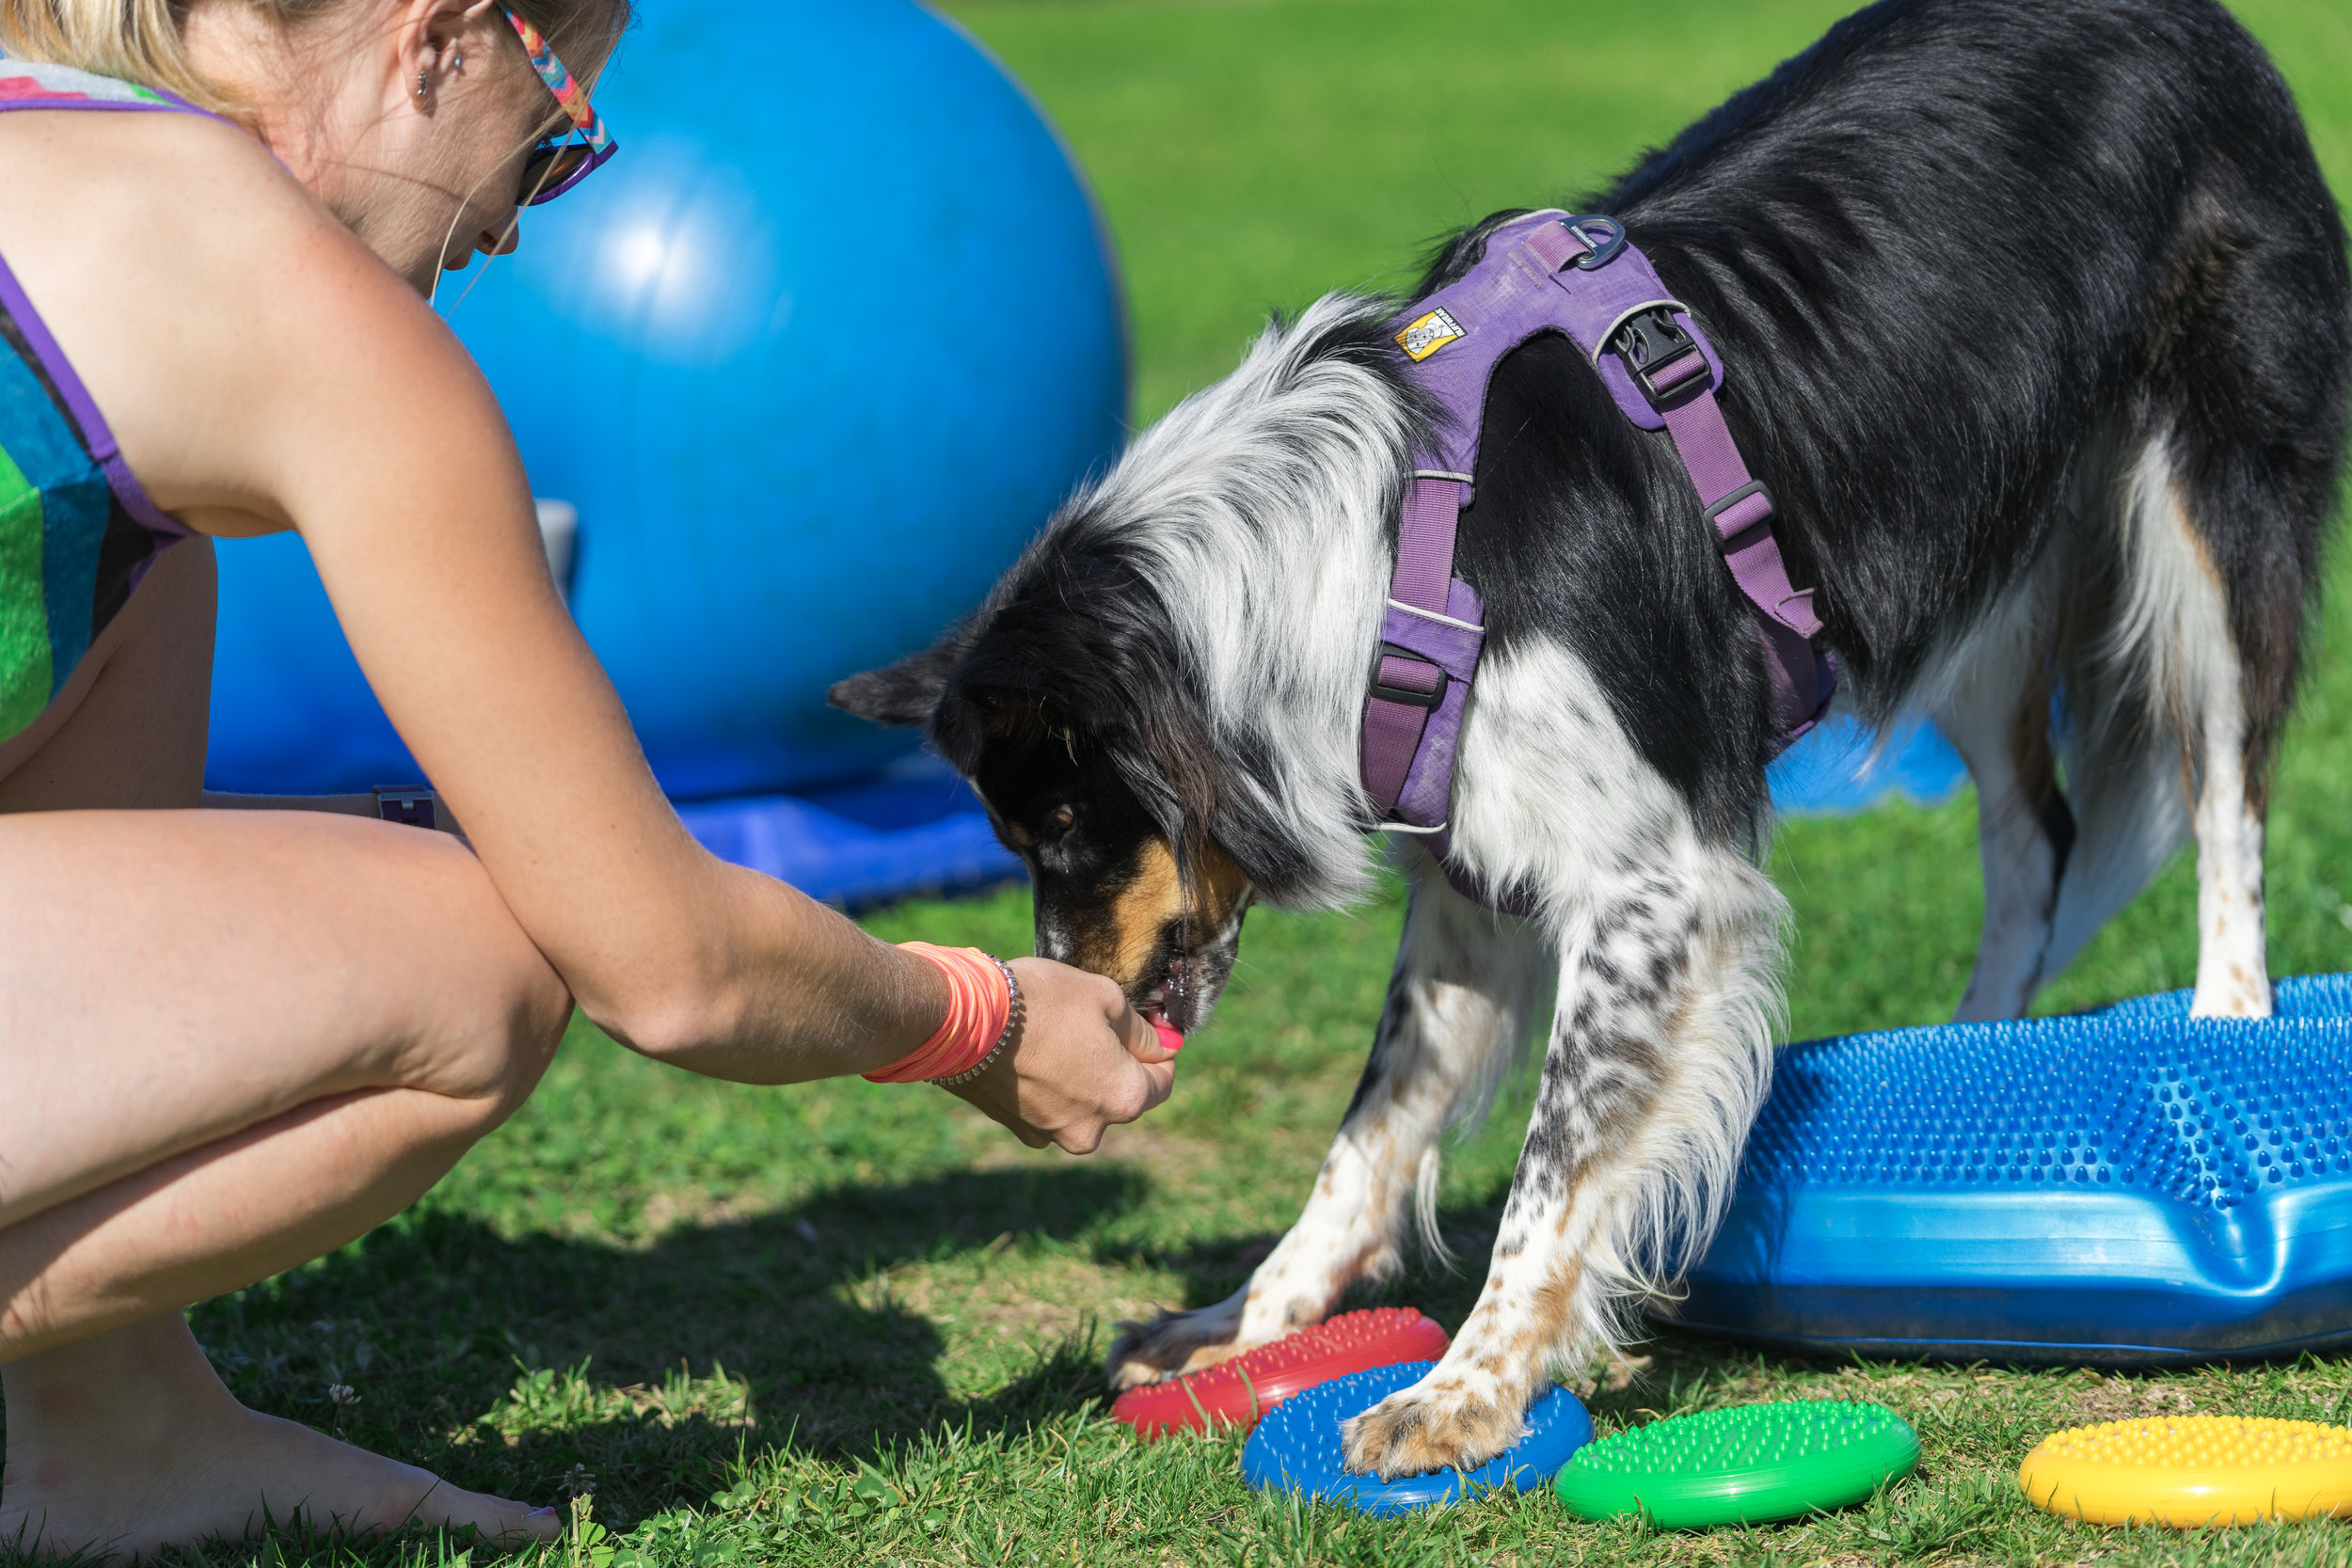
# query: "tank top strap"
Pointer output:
{"type": "Point", "coordinates": [38, 85]}
{"type": "Point", "coordinates": [77, 530]}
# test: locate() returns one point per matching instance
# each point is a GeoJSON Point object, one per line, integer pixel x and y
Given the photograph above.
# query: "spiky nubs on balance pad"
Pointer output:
{"type": "Point", "coordinates": [2191, 1470]}
{"type": "Point", "coordinates": [1240, 1392]}
{"type": "Point", "coordinates": [1747, 1465]}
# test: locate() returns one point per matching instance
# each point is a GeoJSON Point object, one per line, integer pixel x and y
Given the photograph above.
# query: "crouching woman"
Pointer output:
{"type": "Point", "coordinates": [233, 1039]}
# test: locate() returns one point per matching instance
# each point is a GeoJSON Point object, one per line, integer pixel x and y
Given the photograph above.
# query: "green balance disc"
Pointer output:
{"type": "Point", "coordinates": [1747, 1465]}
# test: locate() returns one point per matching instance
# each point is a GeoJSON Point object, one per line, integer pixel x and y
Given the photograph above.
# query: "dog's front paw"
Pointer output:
{"type": "Point", "coordinates": [1175, 1343]}
{"type": "Point", "coordinates": [1439, 1423]}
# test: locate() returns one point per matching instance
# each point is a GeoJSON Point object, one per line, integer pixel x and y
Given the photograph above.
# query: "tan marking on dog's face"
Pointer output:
{"type": "Point", "coordinates": [1141, 912]}
{"type": "Point", "coordinates": [1125, 946]}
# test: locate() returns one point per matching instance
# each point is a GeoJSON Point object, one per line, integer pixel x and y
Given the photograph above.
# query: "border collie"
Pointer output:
{"type": "Point", "coordinates": [2035, 318]}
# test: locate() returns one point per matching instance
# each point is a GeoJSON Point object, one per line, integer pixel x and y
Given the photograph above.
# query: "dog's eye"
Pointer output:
{"type": "Point", "coordinates": [1060, 819]}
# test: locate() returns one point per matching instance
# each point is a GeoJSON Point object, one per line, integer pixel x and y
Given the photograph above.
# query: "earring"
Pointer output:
{"type": "Point", "coordinates": [457, 60]}
{"type": "Point", "coordinates": [421, 84]}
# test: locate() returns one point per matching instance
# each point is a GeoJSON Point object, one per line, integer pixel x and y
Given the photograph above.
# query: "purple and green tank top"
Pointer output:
{"type": "Point", "coordinates": [77, 533]}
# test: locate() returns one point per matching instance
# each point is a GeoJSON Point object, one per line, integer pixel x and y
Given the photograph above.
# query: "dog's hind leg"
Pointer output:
{"type": "Point", "coordinates": [2124, 778]}
{"type": "Point", "coordinates": [2248, 364]}
{"type": "Point", "coordinates": [1657, 1057]}
{"type": "Point", "coordinates": [1458, 1006]}
{"type": "Point", "coordinates": [2178, 723]}
{"type": "Point", "coordinates": [1996, 713]}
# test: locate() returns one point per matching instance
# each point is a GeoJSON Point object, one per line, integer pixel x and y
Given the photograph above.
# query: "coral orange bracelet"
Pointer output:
{"type": "Point", "coordinates": [983, 1015]}
{"type": "Point", "coordinates": [1014, 1013]}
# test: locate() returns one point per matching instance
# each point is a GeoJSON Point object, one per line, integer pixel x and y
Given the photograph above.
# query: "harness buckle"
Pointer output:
{"type": "Point", "coordinates": [1407, 695]}
{"type": "Point", "coordinates": [1651, 341]}
{"type": "Point", "coordinates": [1742, 534]}
{"type": "Point", "coordinates": [1602, 251]}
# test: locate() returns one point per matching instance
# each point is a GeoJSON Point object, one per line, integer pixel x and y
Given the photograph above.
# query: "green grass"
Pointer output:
{"type": "Point", "coordinates": [1254, 153]}
{"type": "Point", "coordinates": [848, 1324]}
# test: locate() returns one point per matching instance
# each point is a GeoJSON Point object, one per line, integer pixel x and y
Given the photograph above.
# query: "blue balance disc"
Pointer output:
{"type": "Point", "coordinates": [1297, 1448]}
{"type": "Point", "coordinates": [2126, 1187]}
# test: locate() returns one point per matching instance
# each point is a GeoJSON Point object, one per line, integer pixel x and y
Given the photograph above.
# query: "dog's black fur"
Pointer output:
{"type": "Point", "coordinates": [1962, 259]}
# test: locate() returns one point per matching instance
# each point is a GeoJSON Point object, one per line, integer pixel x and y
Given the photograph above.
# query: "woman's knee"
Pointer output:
{"type": "Point", "coordinates": [533, 1043]}
{"type": "Point", "coordinates": [497, 1025]}
{"type": "Point", "coordinates": [497, 1064]}
{"type": "Point", "coordinates": [523, 1046]}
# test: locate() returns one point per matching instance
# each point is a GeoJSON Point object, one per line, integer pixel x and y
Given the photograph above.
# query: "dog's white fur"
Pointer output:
{"type": "Point", "coordinates": [1267, 503]}
{"type": "Point", "coordinates": [1265, 494]}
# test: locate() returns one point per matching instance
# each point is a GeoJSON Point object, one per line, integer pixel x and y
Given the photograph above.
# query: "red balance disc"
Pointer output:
{"type": "Point", "coordinates": [1238, 1392]}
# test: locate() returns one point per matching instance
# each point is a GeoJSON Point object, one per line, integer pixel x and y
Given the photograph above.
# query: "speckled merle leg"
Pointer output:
{"type": "Point", "coordinates": [1458, 1004]}
{"type": "Point", "coordinates": [1657, 1056]}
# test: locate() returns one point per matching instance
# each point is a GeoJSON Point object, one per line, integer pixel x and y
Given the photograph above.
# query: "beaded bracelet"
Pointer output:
{"type": "Point", "coordinates": [1012, 1028]}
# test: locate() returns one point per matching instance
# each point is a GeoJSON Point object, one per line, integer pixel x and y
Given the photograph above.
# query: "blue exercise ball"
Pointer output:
{"type": "Point", "coordinates": [812, 359]}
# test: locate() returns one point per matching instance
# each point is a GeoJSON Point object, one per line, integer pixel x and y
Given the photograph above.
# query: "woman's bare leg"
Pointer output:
{"type": "Point", "coordinates": [232, 1041]}
{"type": "Point", "coordinates": [170, 978]}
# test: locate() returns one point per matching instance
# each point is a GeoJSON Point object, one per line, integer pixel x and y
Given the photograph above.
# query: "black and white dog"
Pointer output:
{"type": "Point", "coordinates": [2036, 320]}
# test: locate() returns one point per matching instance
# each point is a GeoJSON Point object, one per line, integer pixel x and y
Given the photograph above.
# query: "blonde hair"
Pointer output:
{"type": "Point", "coordinates": [141, 40]}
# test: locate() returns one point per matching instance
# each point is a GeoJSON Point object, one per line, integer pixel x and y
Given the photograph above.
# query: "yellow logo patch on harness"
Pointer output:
{"type": "Point", "coordinates": [1428, 335]}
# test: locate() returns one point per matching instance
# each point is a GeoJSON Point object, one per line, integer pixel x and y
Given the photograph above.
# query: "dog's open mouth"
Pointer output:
{"type": "Point", "coordinates": [1154, 1006]}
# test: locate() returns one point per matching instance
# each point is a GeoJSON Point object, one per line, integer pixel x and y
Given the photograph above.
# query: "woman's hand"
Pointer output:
{"type": "Point", "coordinates": [1084, 1061]}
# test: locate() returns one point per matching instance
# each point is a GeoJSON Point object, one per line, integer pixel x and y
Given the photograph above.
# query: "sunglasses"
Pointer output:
{"type": "Point", "coordinates": [558, 163]}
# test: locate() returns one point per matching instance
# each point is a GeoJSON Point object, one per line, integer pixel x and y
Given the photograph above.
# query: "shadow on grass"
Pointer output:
{"type": "Point", "coordinates": [529, 1366]}
{"type": "Point", "coordinates": [525, 1365]}
{"type": "Point", "coordinates": [1444, 1288]}
{"type": "Point", "coordinates": [1670, 1366]}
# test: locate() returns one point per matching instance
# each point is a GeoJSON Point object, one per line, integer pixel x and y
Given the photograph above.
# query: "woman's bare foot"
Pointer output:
{"type": "Point", "coordinates": [126, 1443]}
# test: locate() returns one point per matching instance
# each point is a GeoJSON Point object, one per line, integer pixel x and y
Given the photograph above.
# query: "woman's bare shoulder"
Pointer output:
{"type": "Point", "coordinates": [190, 280]}
{"type": "Point", "coordinates": [90, 178]}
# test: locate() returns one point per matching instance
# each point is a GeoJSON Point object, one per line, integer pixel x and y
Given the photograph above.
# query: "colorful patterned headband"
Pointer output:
{"type": "Point", "coordinates": [560, 82]}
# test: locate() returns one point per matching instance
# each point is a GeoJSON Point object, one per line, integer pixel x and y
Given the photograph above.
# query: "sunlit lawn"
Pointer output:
{"type": "Point", "coordinates": [848, 1324]}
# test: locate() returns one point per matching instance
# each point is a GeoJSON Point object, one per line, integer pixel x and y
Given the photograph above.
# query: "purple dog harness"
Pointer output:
{"type": "Point", "coordinates": [1550, 272]}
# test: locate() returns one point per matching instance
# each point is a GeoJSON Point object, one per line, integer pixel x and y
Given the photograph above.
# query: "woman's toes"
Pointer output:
{"type": "Point", "coordinates": [274, 1469]}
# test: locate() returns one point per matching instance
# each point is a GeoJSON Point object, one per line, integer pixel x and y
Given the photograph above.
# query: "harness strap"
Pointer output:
{"type": "Point", "coordinates": [1424, 543]}
{"type": "Point", "coordinates": [1548, 272]}
{"type": "Point", "coordinates": [1409, 687]}
{"type": "Point", "coordinates": [1741, 511]}
{"type": "Point", "coordinates": [1679, 389]}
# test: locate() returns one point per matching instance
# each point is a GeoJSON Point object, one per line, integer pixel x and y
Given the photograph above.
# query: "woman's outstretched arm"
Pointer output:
{"type": "Point", "coordinates": [275, 373]}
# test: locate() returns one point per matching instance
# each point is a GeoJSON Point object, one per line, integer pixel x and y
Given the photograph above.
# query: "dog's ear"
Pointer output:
{"type": "Point", "coordinates": [905, 693]}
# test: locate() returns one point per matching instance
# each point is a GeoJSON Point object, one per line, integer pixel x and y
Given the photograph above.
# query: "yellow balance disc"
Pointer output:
{"type": "Point", "coordinates": [2191, 1470]}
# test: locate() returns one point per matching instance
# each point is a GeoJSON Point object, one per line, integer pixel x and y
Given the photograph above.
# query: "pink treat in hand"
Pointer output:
{"type": "Point", "coordinates": [1171, 1037]}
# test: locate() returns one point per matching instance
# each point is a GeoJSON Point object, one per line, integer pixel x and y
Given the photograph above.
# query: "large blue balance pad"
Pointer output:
{"type": "Point", "coordinates": [812, 358]}
{"type": "Point", "coordinates": [1297, 1448]}
{"type": "Point", "coordinates": [2125, 1187]}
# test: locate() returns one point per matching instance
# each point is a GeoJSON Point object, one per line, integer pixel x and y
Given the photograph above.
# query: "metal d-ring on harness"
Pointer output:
{"type": "Point", "coordinates": [1550, 272]}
